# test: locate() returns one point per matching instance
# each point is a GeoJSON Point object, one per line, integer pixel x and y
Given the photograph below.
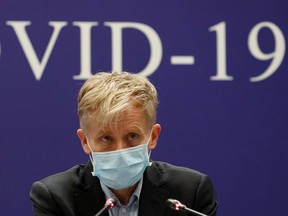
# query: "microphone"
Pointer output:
{"type": "Point", "coordinates": [178, 206]}
{"type": "Point", "coordinates": [108, 204]}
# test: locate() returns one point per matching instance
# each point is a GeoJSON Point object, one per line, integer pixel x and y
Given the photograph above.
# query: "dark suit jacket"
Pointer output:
{"type": "Point", "coordinates": [76, 192]}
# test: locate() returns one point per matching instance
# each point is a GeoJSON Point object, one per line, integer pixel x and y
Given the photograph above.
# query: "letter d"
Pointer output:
{"type": "Point", "coordinates": [153, 39]}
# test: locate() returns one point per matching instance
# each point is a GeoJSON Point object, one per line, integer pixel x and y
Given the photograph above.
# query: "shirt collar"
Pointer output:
{"type": "Point", "coordinates": [134, 197]}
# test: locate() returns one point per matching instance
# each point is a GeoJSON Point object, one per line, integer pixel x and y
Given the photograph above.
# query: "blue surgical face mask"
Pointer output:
{"type": "Point", "coordinates": [122, 168]}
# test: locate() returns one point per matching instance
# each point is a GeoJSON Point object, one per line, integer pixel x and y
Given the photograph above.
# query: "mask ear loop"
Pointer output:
{"type": "Point", "coordinates": [91, 158]}
{"type": "Point", "coordinates": [149, 150]}
{"type": "Point", "coordinates": [90, 155]}
{"type": "Point", "coordinates": [149, 153]}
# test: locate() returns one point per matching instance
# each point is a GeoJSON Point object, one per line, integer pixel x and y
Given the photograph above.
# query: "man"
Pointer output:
{"type": "Point", "coordinates": [118, 130]}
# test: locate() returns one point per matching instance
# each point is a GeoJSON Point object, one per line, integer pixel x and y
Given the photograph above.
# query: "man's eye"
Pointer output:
{"type": "Point", "coordinates": [133, 136]}
{"type": "Point", "coordinates": [106, 139]}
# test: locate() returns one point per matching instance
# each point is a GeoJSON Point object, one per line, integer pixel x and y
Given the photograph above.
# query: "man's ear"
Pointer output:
{"type": "Point", "coordinates": [154, 136]}
{"type": "Point", "coordinates": [83, 141]}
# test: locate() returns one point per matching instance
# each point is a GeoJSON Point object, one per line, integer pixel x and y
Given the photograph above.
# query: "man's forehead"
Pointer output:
{"type": "Point", "coordinates": [120, 125]}
{"type": "Point", "coordinates": [141, 124]}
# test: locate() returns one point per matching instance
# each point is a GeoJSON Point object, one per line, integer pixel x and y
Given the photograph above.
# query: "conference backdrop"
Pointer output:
{"type": "Point", "coordinates": [220, 68]}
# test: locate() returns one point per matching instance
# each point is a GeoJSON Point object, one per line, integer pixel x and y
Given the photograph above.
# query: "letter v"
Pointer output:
{"type": "Point", "coordinates": [36, 65]}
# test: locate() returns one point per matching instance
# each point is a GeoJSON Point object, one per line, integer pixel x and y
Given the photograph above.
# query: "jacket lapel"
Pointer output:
{"type": "Point", "coordinates": [153, 195]}
{"type": "Point", "coordinates": [88, 195]}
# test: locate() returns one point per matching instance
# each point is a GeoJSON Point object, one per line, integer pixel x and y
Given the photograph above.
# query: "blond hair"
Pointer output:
{"type": "Point", "coordinates": [105, 96]}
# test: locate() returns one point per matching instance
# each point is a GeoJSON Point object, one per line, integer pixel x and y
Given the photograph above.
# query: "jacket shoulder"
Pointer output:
{"type": "Point", "coordinates": [54, 194]}
{"type": "Point", "coordinates": [169, 170]}
{"type": "Point", "coordinates": [65, 178]}
{"type": "Point", "coordinates": [58, 184]}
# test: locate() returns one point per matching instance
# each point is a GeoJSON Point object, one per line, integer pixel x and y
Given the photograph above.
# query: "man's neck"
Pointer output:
{"type": "Point", "coordinates": [124, 194]}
